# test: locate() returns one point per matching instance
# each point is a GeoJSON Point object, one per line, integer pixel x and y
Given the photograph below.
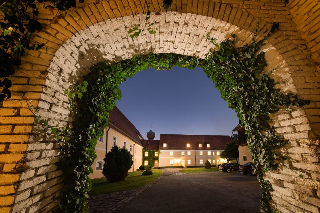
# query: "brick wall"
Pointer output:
{"type": "Point", "coordinates": [97, 31]}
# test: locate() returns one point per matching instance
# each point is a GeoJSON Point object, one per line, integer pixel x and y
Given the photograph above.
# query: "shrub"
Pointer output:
{"type": "Point", "coordinates": [147, 172]}
{"type": "Point", "coordinates": [142, 168]}
{"type": "Point", "coordinates": [117, 163]}
{"type": "Point", "coordinates": [207, 165]}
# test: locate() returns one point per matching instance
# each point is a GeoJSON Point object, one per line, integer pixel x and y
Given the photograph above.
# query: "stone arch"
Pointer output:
{"type": "Point", "coordinates": [41, 78]}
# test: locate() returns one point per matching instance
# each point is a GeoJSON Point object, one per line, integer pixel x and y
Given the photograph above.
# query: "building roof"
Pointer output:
{"type": "Point", "coordinates": [119, 122]}
{"type": "Point", "coordinates": [176, 141]}
{"type": "Point", "coordinates": [151, 144]}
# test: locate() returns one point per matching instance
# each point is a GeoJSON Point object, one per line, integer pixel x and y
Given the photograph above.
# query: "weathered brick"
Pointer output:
{"type": "Point", "coordinates": [22, 129]}
{"type": "Point", "coordinates": [9, 167]}
{"type": "Point", "coordinates": [14, 138]}
{"type": "Point", "coordinates": [31, 182]}
{"type": "Point", "coordinates": [2, 147]}
{"type": "Point", "coordinates": [8, 178]}
{"type": "Point", "coordinates": [44, 186]}
{"type": "Point", "coordinates": [23, 195]}
{"type": "Point", "coordinates": [6, 190]}
{"type": "Point", "coordinates": [54, 174]}
{"type": "Point", "coordinates": [5, 129]}
{"type": "Point", "coordinates": [38, 163]}
{"type": "Point", "coordinates": [24, 204]}
{"type": "Point", "coordinates": [6, 201]}
{"type": "Point", "coordinates": [9, 158]}
{"type": "Point", "coordinates": [8, 112]}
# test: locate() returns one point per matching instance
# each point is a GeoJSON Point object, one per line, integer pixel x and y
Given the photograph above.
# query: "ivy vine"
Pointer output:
{"type": "Point", "coordinates": [237, 74]}
{"type": "Point", "coordinates": [151, 158]}
{"type": "Point", "coordinates": [18, 23]}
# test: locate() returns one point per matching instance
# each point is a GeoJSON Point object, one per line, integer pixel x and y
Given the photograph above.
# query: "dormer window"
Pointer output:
{"type": "Point", "coordinates": [164, 145]}
{"type": "Point", "coordinates": [208, 145]}
{"type": "Point", "coordinates": [188, 144]}
{"type": "Point", "coordinates": [200, 144]}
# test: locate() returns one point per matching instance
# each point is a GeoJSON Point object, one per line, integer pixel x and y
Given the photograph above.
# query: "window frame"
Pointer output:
{"type": "Point", "coordinates": [114, 140]}
{"type": "Point", "coordinates": [100, 140]}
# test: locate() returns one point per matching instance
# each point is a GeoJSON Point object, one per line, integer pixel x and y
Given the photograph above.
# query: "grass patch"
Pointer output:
{"type": "Point", "coordinates": [133, 181]}
{"type": "Point", "coordinates": [199, 170]}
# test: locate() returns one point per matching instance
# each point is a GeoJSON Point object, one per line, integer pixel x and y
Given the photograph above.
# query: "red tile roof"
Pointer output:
{"type": "Point", "coordinates": [176, 141]}
{"type": "Point", "coordinates": [119, 122]}
{"type": "Point", "coordinates": [151, 144]}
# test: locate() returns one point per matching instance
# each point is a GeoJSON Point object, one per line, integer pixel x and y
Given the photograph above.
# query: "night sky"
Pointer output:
{"type": "Point", "coordinates": [178, 101]}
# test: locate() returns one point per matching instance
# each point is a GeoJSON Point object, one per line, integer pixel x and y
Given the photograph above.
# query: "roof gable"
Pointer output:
{"type": "Point", "coordinates": [119, 122]}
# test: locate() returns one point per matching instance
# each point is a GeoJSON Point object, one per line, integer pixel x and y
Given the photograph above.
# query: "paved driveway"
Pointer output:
{"type": "Point", "coordinates": [205, 192]}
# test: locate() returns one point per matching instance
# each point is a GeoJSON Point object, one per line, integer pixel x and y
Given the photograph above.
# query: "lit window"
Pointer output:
{"type": "Point", "coordinates": [101, 139]}
{"type": "Point", "coordinates": [188, 144]}
{"type": "Point", "coordinates": [182, 153]}
{"type": "Point", "coordinates": [213, 161]}
{"type": "Point", "coordinates": [146, 154]}
{"type": "Point", "coordinates": [201, 161]}
{"type": "Point", "coordinates": [124, 144]}
{"type": "Point", "coordinates": [156, 154]}
{"type": "Point", "coordinates": [200, 144]}
{"type": "Point", "coordinates": [244, 158]}
{"type": "Point", "coordinates": [218, 153]}
{"type": "Point", "coordinates": [208, 144]}
{"type": "Point", "coordinates": [171, 153]}
{"type": "Point", "coordinates": [171, 162]}
{"type": "Point", "coordinates": [99, 165]}
{"type": "Point", "coordinates": [209, 160]}
{"type": "Point", "coordinates": [212, 153]}
{"type": "Point", "coordinates": [130, 148]}
{"type": "Point", "coordinates": [189, 162]}
{"type": "Point", "coordinates": [156, 161]}
{"type": "Point", "coordinates": [209, 152]}
{"type": "Point", "coordinates": [201, 153]}
{"type": "Point", "coordinates": [189, 153]}
{"type": "Point", "coordinates": [114, 141]}
{"type": "Point", "coordinates": [146, 163]}
{"type": "Point", "coordinates": [164, 144]}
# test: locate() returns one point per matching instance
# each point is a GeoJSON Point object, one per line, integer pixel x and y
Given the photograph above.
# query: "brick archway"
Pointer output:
{"type": "Point", "coordinates": [94, 32]}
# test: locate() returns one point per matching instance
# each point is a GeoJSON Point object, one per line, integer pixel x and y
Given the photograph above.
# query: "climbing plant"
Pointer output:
{"type": "Point", "coordinates": [18, 22]}
{"type": "Point", "coordinates": [151, 157]}
{"type": "Point", "coordinates": [237, 74]}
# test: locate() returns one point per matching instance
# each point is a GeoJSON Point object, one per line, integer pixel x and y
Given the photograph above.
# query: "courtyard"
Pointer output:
{"type": "Point", "coordinates": [180, 192]}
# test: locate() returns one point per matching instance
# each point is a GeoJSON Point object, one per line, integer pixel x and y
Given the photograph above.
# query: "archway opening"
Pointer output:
{"type": "Point", "coordinates": [238, 74]}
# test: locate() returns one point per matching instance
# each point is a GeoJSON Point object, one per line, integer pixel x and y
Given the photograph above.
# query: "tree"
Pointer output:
{"type": "Point", "coordinates": [231, 151]}
{"type": "Point", "coordinates": [117, 163]}
{"type": "Point", "coordinates": [207, 165]}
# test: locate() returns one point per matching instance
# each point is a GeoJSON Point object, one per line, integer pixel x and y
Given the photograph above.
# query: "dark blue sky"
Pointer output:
{"type": "Point", "coordinates": [178, 101]}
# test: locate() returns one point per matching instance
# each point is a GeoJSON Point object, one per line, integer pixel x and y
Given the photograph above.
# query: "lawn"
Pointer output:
{"type": "Point", "coordinates": [199, 170]}
{"type": "Point", "coordinates": [133, 181]}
